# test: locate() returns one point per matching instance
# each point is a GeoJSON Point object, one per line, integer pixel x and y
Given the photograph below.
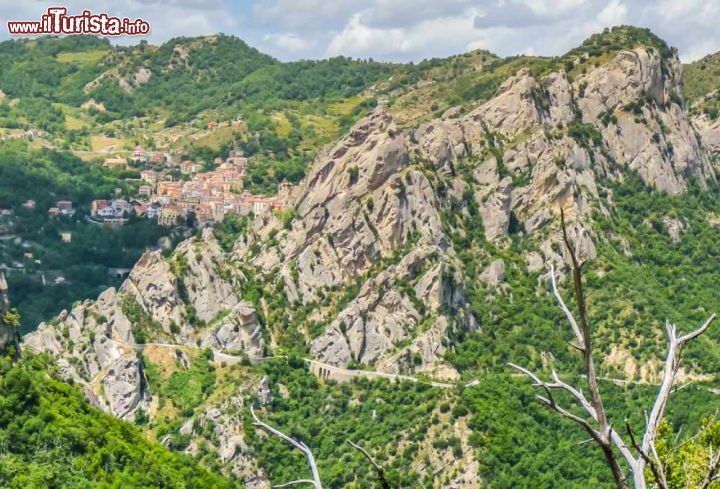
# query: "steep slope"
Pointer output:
{"type": "Point", "coordinates": [53, 438]}
{"type": "Point", "coordinates": [702, 79]}
{"type": "Point", "coordinates": [702, 82]}
{"type": "Point", "coordinates": [411, 250]}
{"type": "Point", "coordinates": [381, 194]}
{"type": "Point", "coordinates": [376, 212]}
{"type": "Point", "coordinates": [97, 341]}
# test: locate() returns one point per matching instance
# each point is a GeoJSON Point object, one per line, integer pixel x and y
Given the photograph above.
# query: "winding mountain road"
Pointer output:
{"type": "Point", "coordinates": [320, 369]}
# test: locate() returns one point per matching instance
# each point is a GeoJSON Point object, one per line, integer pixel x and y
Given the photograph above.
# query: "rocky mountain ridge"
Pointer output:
{"type": "Point", "coordinates": [365, 272]}
{"type": "Point", "coordinates": [95, 342]}
{"type": "Point", "coordinates": [378, 195]}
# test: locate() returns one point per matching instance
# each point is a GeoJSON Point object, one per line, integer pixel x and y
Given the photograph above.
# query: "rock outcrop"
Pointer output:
{"type": "Point", "coordinates": [494, 273]}
{"type": "Point", "coordinates": [97, 344]}
{"type": "Point", "coordinates": [709, 132]}
{"type": "Point", "coordinates": [367, 271]}
{"type": "Point", "coordinates": [651, 135]}
{"type": "Point", "coordinates": [361, 204]}
{"type": "Point", "coordinates": [379, 196]}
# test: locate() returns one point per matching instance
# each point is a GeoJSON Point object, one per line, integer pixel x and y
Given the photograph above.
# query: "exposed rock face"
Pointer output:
{"type": "Point", "coordinates": [539, 145]}
{"type": "Point", "coordinates": [197, 281]}
{"type": "Point", "coordinates": [207, 291]}
{"type": "Point", "coordinates": [369, 250]}
{"type": "Point", "coordinates": [709, 132]}
{"type": "Point", "coordinates": [142, 76]}
{"type": "Point", "coordinates": [220, 426]}
{"type": "Point", "coordinates": [154, 286]}
{"type": "Point", "coordinates": [123, 386]}
{"type": "Point", "coordinates": [495, 212]}
{"type": "Point", "coordinates": [360, 203]}
{"type": "Point", "coordinates": [674, 227]}
{"type": "Point", "coordinates": [239, 331]}
{"type": "Point", "coordinates": [95, 344]}
{"type": "Point", "coordinates": [4, 300]}
{"type": "Point", "coordinates": [665, 162]}
{"type": "Point", "coordinates": [494, 274]}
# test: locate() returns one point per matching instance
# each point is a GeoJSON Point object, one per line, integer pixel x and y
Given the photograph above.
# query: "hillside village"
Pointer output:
{"type": "Point", "coordinates": [203, 196]}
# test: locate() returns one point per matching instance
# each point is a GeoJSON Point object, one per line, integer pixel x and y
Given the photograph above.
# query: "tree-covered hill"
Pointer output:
{"type": "Point", "coordinates": [702, 79]}
{"type": "Point", "coordinates": [52, 437]}
{"type": "Point", "coordinates": [83, 91]}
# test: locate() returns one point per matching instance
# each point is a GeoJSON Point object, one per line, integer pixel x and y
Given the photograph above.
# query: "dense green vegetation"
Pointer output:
{"type": "Point", "coordinates": [701, 81]}
{"type": "Point", "coordinates": [379, 415]}
{"type": "Point", "coordinates": [283, 111]}
{"type": "Point", "coordinates": [51, 437]}
{"type": "Point", "coordinates": [36, 68]}
{"type": "Point", "coordinates": [288, 110]}
{"type": "Point", "coordinates": [47, 176]}
{"type": "Point", "coordinates": [389, 419]}
{"type": "Point", "coordinates": [187, 388]}
{"type": "Point", "coordinates": [522, 443]}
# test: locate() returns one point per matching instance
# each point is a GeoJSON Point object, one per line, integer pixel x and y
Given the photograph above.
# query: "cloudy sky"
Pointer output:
{"type": "Point", "coordinates": [403, 30]}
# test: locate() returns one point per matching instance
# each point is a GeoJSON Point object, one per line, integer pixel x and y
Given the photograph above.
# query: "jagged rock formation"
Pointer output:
{"type": "Point", "coordinates": [96, 343]}
{"type": "Point", "coordinates": [538, 145]}
{"type": "Point", "coordinates": [228, 436]}
{"type": "Point", "coordinates": [370, 213]}
{"type": "Point", "coordinates": [369, 255]}
{"type": "Point", "coordinates": [494, 274]}
{"type": "Point", "coordinates": [361, 203]}
{"type": "Point", "coordinates": [709, 132]}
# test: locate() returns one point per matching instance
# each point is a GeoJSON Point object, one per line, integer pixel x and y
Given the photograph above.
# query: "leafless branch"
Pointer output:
{"type": "Point", "coordinates": [378, 468]}
{"type": "Point", "coordinates": [712, 469]}
{"type": "Point", "coordinates": [595, 398]}
{"type": "Point", "coordinates": [672, 364]}
{"type": "Point", "coordinates": [549, 399]}
{"type": "Point", "coordinates": [297, 444]}
{"type": "Point", "coordinates": [598, 425]}
{"type": "Point", "coordinates": [296, 482]}
{"type": "Point", "coordinates": [568, 314]}
{"type": "Point", "coordinates": [651, 462]}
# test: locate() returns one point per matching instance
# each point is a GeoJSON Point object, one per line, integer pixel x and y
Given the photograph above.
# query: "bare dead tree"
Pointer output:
{"type": "Point", "coordinates": [378, 468]}
{"type": "Point", "coordinates": [638, 455]}
{"type": "Point", "coordinates": [712, 470]}
{"type": "Point", "coordinates": [315, 481]}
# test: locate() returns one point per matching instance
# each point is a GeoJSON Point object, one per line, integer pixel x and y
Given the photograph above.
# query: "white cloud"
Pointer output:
{"type": "Point", "coordinates": [305, 14]}
{"type": "Point", "coordinates": [614, 13]}
{"type": "Point", "coordinates": [406, 29]}
{"type": "Point", "coordinates": [426, 38]}
{"type": "Point", "coordinates": [289, 42]}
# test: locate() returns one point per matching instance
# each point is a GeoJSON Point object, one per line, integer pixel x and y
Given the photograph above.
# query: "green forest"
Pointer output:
{"type": "Point", "coordinates": [289, 110]}
{"type": "Point", "coordinates": [52, 437]}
